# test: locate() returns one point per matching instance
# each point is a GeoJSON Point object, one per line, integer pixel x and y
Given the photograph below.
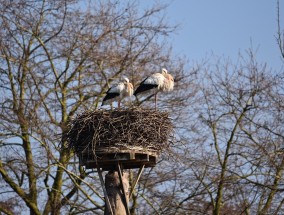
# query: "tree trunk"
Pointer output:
{"type": "Point", "coordinates": [115, 193]}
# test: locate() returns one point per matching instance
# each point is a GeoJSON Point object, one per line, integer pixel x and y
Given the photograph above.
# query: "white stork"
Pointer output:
{"type": "Point", "coordinates": [159, 81]}
{"type": "Point", "coordinates": [118, 92]}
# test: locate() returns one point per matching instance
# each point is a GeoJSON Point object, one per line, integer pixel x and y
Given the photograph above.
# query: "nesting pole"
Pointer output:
{"type": "Point", "coordinates": [115, 140]}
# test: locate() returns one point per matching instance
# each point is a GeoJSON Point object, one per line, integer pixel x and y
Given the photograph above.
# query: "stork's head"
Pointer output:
{"type": "Point", "coordinates": [126, 80]}
{"type": "Point", "coordinates": [164, 71]}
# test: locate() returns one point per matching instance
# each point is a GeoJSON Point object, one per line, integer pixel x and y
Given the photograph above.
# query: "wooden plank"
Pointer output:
{"type": "Point", "coordinates": [132, 156]}
{"type": "Point", "coordinates": [130, 160]}
{"type": "Point", "coordinates": [98, 152]}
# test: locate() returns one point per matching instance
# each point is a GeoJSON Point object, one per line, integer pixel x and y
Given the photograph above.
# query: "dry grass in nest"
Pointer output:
{"type": "Point", "coordinates": [120, 129]}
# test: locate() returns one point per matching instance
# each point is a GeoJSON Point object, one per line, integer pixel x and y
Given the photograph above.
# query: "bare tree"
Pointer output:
{"type": "Point", "coordinates": [280, 32]}
{"type": "Point", "coordinates": [58, 58]}
{"type": "Point", "coordinates": [235, 141]}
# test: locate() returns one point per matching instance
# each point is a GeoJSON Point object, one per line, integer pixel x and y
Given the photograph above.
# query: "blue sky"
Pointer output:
{"type": "Point", "coordinates": [225, 28]}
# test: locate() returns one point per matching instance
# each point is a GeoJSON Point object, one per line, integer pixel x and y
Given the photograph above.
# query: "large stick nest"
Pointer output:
{"type": "Point", "coordinates": [120, 129]}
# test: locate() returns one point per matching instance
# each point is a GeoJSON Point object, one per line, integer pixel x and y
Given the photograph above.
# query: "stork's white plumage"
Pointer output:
{"type": "Point", "coordinates": [168, 82]}
{"type": "Point", "coordinates": [159, 81]}
{"type": "Point", "coordinates": [118, 92]}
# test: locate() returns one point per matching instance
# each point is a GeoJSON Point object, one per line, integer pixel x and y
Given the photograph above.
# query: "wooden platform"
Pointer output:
{"type": "Point", "coordinates": [128, 159]}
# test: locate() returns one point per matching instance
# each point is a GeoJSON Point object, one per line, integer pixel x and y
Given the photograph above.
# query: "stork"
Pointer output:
{"type": "Point", "coordinates": [162, 81]}
{"type": "Point", "coordinates": [118, 92]}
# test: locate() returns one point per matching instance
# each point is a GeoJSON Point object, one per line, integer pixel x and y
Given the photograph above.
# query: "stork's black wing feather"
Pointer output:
{"type": "Point", "coordinates": [109, 96]}
{"type": "Point", "coordinates": [144, 87]}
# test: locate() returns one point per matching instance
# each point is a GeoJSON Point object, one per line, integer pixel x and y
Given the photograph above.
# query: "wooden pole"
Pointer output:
{"type": "Point", "coordinates": [113, 185]}
{"type": "Point", "coordinates": [108, 206]}
{"type": "Point", "coordinates": [125, 192]}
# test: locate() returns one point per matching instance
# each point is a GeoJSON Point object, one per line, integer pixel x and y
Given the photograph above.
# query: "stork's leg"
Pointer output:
{"type": "Point", "coordinates": [118, 103]}
{"type": "Point", "coordinates": [156, 101]}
